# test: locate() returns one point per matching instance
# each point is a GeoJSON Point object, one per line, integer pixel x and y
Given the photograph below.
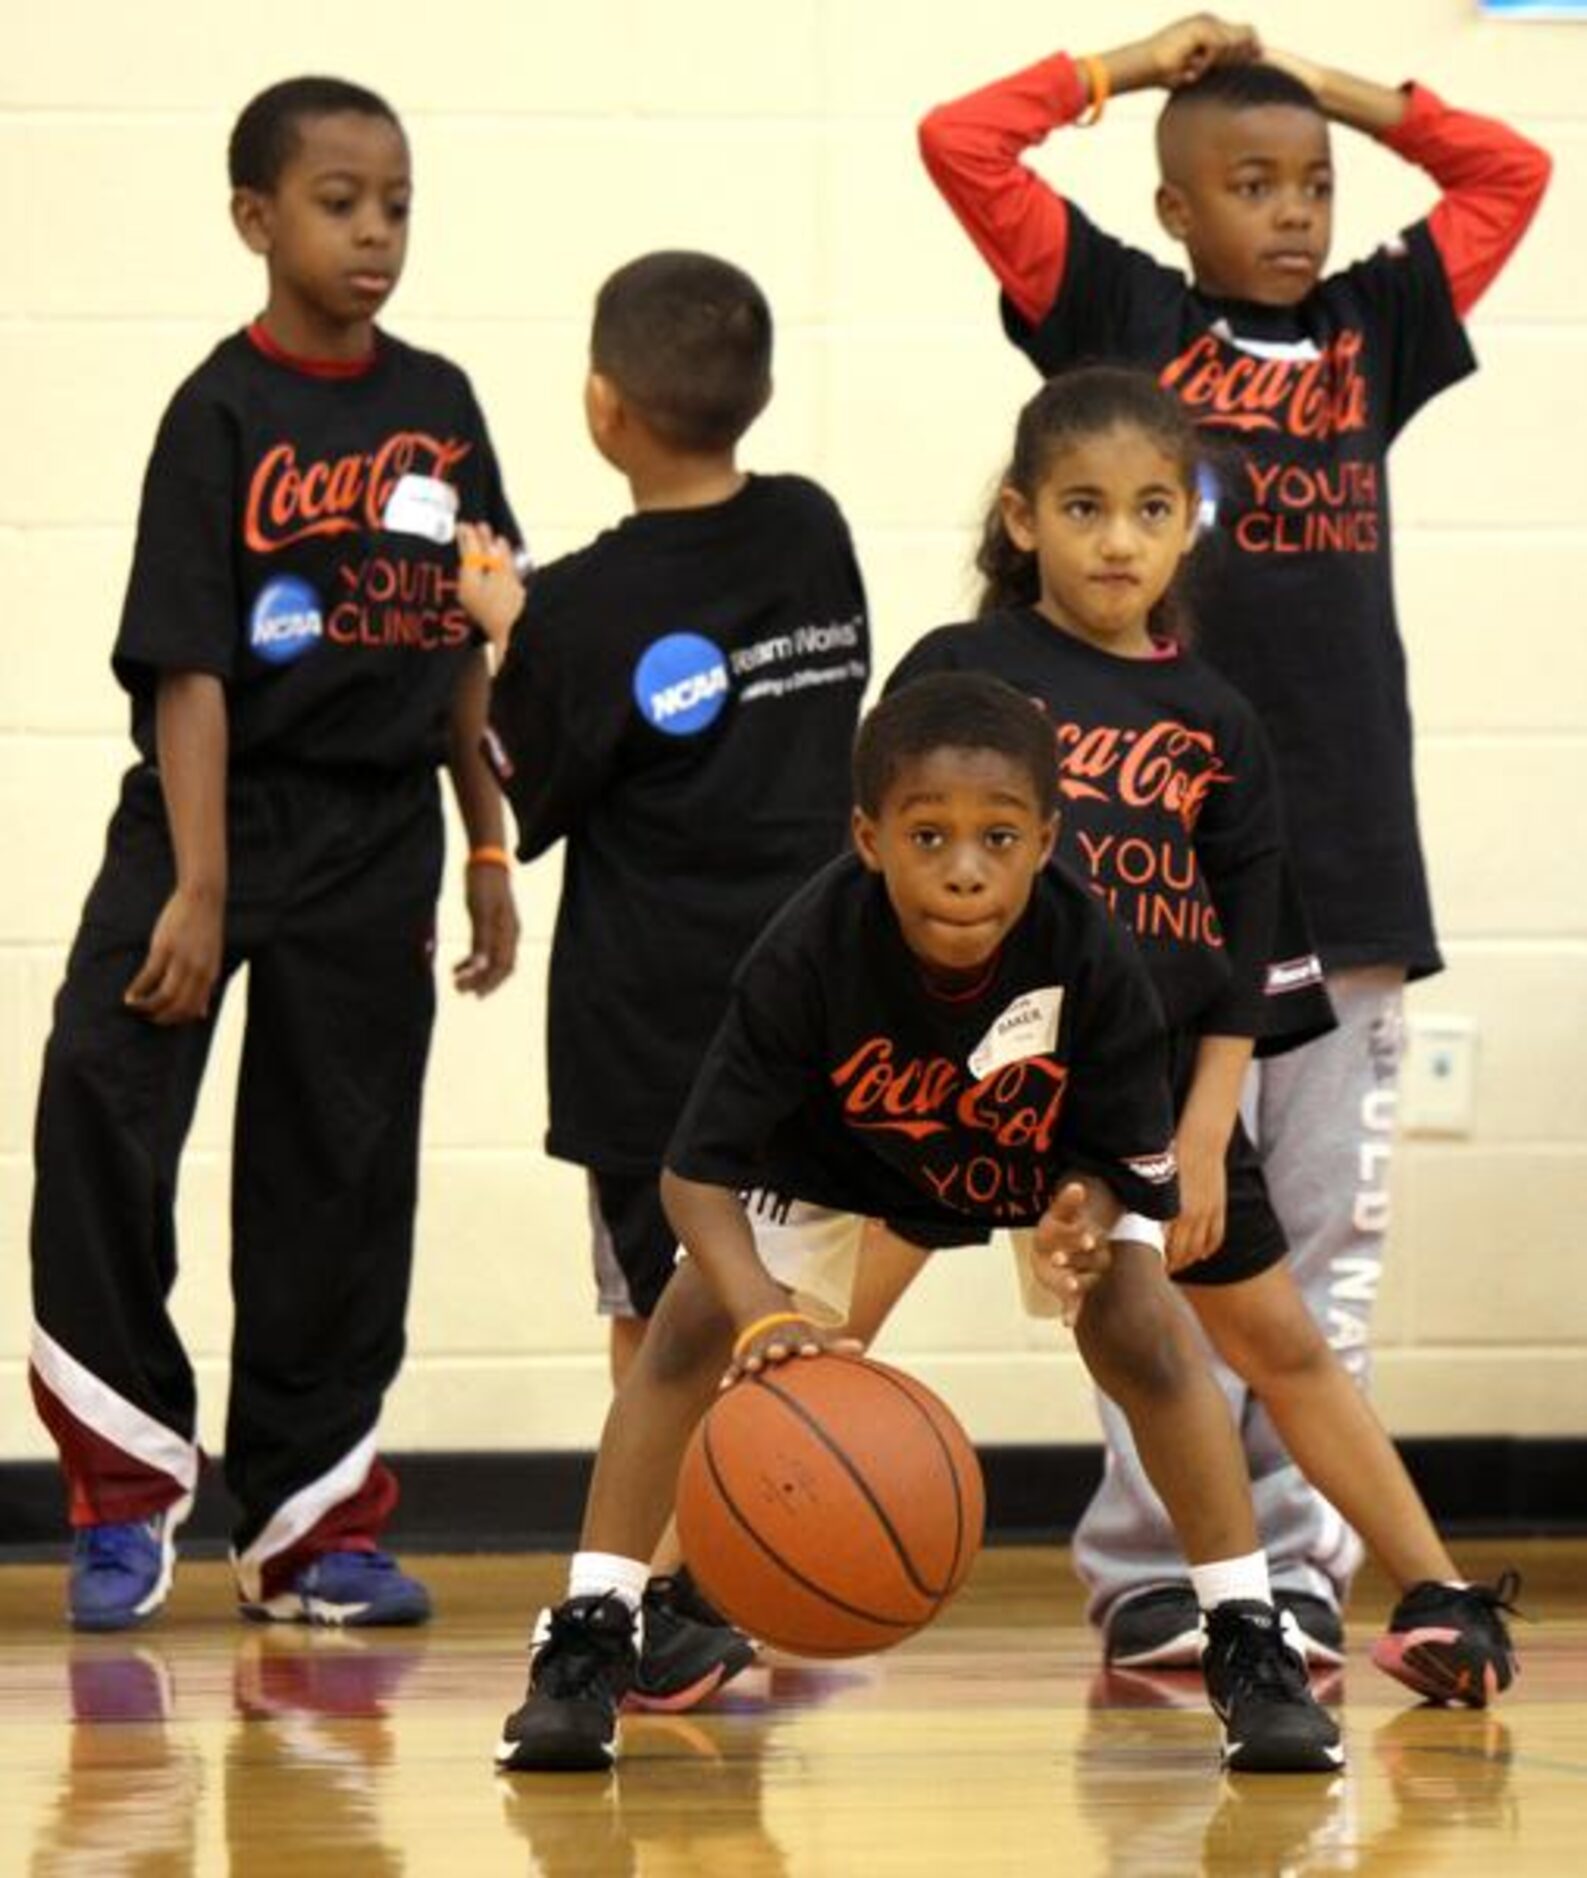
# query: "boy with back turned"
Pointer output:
{"type": "Point", "coordinates": [677, 703]}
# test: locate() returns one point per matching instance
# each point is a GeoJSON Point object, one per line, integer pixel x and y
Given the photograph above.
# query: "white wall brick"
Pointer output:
{"type": "Point", "coordinates": [87, 396]}
{"type": "Point", "coordinates": [1478, 458]}
{"type": "Point", "coordinates": [207, 59]}
{"type": "Point", "coordinates": [504, 1261]}
{"type": "Point", "coordinates": [18, 1067]}
{"type": "Point", "coordinates": [572, 201]}
{"type": "Point", "coordinates": [551, 145]}
{"type": "Point", "coordinates": [1491, 645]}
{"type": "Point", "coordinates": [1483, 1392]}
{"type": "Point", "coordinates": [65, 586]}
{"type": "Point", "coordinates": [925, 273]}
{"type": "Point", "coordinates": [487, 1080]}
{"type": "Point", "coordinates": [102, 177]}
{"type": "Point", "coordinates": [718, 58]}
{"type": "Point", "coordinates": [1499, 819]}
{"type": "Point", "coordinates": [915, 579]}
{"type": "Point", "coordinates": [918, 424]}
{"type": "Point", "coordinates": [1499, 1226]}
{"type": "Point", "coordinates": [14, 205]}
{"type": "Point", "coordinates": [57, 853]}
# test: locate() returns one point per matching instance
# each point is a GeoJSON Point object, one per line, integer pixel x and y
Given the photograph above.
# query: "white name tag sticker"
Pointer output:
{"type": "Point", "coordinates": [422, 505]}
{"type": "Point", "coordinates": [1028, 1027]}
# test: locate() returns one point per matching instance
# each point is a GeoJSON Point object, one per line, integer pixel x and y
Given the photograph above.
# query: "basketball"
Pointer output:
{"type": "Point", "coordinates": [830, 1505]}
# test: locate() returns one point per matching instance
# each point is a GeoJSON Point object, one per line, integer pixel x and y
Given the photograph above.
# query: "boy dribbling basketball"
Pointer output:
{"type": "Point", "coordinates": [940, 1032]}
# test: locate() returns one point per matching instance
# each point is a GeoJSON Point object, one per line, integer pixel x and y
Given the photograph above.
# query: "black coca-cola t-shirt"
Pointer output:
{"type": "Point", "coordinates": [1295, 604]}
{"type": "Point", "coordinates": [295, 540]}
{"type": "Point", "coordinates": [842, 1078]}
{"type": "Point", "coordinates": [1170, 808]}
{"type": "Point", "coordinates": [678, 704]}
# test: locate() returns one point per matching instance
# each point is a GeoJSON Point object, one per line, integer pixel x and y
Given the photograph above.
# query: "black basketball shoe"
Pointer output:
{"type": "Point", "coordinates": [1256, 1681]}
{"type": "Point", "coordinates": [690, 1649]}
{"type": "Point", "coordinates": [582, 1662]}
{"type": "Point", "coordinates": [1320, 1630]}
{"type": "Point", "coordinates": [1155, 1629]}
{"type": "Point", "coordinates": [1450, 1644]}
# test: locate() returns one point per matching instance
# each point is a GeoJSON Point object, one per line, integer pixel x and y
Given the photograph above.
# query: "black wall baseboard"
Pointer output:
{"type": "Point", "coordinates": [1473, 1484]}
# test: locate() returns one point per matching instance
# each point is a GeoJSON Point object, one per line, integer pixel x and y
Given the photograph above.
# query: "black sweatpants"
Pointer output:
{"type": "Point", "coordinates": [331, 906]}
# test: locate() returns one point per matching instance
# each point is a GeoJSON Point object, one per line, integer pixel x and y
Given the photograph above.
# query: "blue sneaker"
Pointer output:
{"type": "Point", "coordinates": [352, 1589]}
{"type": "Point", "coordinates": [121, 1571]}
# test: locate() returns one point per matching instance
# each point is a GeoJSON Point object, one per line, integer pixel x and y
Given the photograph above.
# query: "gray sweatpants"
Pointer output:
{"type": "Point", "coordinates": [1322, 1118]}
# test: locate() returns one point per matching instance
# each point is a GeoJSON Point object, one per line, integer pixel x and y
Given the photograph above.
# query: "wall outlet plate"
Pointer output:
{"type": "Point", "coordinates": [1438, 1087]}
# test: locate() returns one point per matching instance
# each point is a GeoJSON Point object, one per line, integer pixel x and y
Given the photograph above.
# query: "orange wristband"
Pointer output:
{"type": "Point", "coordinates": [1096, 73]}
{"type": "Point", "coordinates": [751, 1331]}
{"type": "Point", "coordinates": [489, 857]}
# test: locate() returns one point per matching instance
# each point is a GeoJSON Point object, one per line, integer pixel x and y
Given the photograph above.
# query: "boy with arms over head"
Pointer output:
{"type": "Point", "coordinates": [1308, 378]}
{"type": "Point", "coordinates": [942, 1032]}
{"type": "Point", "coordinates": [677, 702]}
{"type": "Point", "coordinates": [299, 665]}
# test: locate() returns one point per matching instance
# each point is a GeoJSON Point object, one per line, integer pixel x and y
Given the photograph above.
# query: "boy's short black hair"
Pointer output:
{"type": "Point", "coordinates": [953, 711]}
{"type": "Point", "coordinates": [268, 131]}
{"type": "Point", "coordinates": [686, 338]}
{"type": "Point", "coordinates": [1239, 88]}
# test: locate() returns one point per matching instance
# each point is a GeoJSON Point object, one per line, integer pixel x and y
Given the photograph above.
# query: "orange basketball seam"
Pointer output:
{"type": "Point", "coordinates": [892, 1378]}
{"type": "Point", "coordinates": [934, 1592]}
{"type": "Point", "coordinates": [809, 1584]}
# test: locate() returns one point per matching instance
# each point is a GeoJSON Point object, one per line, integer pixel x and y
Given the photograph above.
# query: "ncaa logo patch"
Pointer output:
{"type": "Point", "coordinates": [285, 621]}
{"type": "Point", "coordinates": [681, 684]}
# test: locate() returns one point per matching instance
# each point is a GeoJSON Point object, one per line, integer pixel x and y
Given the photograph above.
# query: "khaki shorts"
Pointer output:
{"type": "Point", "coordinates": [814, 1252]}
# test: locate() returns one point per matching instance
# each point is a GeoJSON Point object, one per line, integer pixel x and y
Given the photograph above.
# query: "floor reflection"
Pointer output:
{"type": "Point", "coordinates": [1153, 1805]}
{"type": "Point", "coordinates": [1449, 1771]}
{"type": "Point", "coordinates": [686, 1803]}
{"type": "Point", "coordinates": [688, 1798]}
{"type": "Point", "coordinates": [129, 1796]}
{"type": "Point", "coordinates": [312, 1740]}
{"type": "Point", "coordinates": [202, 1747]}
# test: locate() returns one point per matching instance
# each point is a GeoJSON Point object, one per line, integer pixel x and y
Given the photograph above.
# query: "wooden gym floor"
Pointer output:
{"type": "Point", "coordinates": [990, 1744]}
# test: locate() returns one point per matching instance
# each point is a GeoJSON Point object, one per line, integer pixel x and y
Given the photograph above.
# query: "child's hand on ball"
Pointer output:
{"type": "Point", "coordinates": [788, 1335]}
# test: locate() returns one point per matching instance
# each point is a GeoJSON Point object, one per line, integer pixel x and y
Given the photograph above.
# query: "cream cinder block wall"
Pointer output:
{"type": "Point", "coordinates": [552, 143]}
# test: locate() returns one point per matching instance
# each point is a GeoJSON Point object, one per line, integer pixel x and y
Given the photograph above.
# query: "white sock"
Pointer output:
{"type": "Point", "coordinates": [1228, 1578]}
{"type": "Point", "coordinates": [598, 1574]}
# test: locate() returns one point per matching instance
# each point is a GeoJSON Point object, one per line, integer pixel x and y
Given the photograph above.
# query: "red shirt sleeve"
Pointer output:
{"type": "Point", "coordinates": [972, 150]}
{"type": "Point", "coordinates": [1492, 179]}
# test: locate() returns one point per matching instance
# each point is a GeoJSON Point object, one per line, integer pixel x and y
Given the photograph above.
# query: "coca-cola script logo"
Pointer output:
{"type": "Point", "coordinates": [980, 1145]}
{"type": "Point", "coordinates": [1017, 1105]}
{"type": "Point", "coordinates": [289, 501]}
{"type": "Point", "coordinates": [1319, 398]}
{"type": "Point", "coordinates": [1168, 765]}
